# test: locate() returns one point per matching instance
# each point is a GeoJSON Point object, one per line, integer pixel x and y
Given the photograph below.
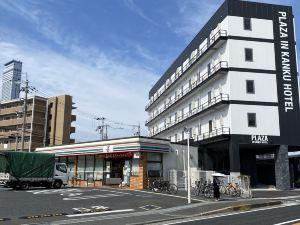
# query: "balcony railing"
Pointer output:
{"type": "Point", "coordinates": [197, 83]}
{"type": "Point", "coordinates": [196, 110]}
{"type": "Point", "coordinates": [213, 39]}
{"type": "Point", "coordinates": [213, 133]}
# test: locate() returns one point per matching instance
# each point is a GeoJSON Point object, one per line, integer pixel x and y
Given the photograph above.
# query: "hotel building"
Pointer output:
{"type": "Point", "coordinates": [234, 88]}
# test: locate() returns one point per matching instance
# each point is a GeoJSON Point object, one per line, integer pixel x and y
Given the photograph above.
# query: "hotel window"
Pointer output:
{"type": "Point", "coordinates": [210, 126]}
{"type": "Point", "coordinates": [249, 54]}
{"type": "Point", "coordinates": [209, 96]}
{"type": "Point", "coordinates": [154, 165]}
{"type": "Point", "coordinates": [251, 119]}
{"type": "Point", "coordinates": [247, 24]}
{"type": "Point", "coordinates": [250, 87]}
{"type": "Point", "coordinates": [208, 68]}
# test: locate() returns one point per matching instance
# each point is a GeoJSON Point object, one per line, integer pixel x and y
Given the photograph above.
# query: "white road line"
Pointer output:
{"type": "Point", "coordinates": [223, 215]}
{"type": "Point", "coordinates": [175, 196]}
{"type": "Point", "coordinates": [291, 221]}
{"type": "Point", "coordinates": [100, 213]}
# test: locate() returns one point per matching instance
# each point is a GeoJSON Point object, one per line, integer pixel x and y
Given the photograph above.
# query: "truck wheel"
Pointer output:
{"type": "Point", "coordinates": [57, 184]}
{"type": "Point", "coordinates": [24, 186]}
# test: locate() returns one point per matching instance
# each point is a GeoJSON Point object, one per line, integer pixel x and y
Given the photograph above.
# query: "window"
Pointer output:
{"type": "Point", "coordinates": [249, 54]}
{"type": "Point", "coordinates": [210, 126]}
{"type": "Point", "coordinates": [209, 96]}
{"type": "Point", "coordinates": [175, 138]}
{"type": "Point", "coordinates": [208, 68]}
{"type": "Point", "coordinates": [135, 167]}
{"type": "Point", "coordinates": [98, 173]}
{"type": "Point", "coordinates": [247, 24]}
{"type": "Point", "coordinates": [81, 167]}
{"type": "Point", "coordinates": [61, 167]}
{"type": "Point", "coordinates": [154, 165]}
{"type": "Point", "coordinates": [250, 86]}
{"type": "Point", "coordinates": [251, 119]}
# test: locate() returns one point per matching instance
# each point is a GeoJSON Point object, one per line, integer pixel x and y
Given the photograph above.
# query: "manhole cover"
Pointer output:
{"type": "Point", "coordinates": [150, 207]}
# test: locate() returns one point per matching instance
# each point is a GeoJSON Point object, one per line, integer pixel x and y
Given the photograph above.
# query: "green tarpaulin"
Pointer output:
{"type": "Point", "coordinates": [27, 164]}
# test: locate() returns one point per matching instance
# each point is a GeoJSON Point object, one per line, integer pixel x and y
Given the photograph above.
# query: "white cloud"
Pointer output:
{"type": "Point", "coordinates": [133, 6]}
{"type": "Point", "coordinates": [100, 85]}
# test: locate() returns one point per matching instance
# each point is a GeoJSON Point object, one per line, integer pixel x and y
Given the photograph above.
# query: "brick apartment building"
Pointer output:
{"type": "Point", "coordinates": [48, 122]}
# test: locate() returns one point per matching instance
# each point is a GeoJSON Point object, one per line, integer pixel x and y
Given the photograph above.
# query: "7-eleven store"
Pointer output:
{"type": "Point", "coordinates": [132, 160]}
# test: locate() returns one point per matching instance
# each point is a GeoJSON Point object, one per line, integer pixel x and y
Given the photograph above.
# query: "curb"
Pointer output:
{"type": "Point", "coordinates": [243, 207]}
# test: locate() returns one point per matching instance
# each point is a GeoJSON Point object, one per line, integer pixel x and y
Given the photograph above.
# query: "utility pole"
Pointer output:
{"type": "Point", "coordinates": [101, 127]}
{"type": "Point", "coordinates": [24, 113]}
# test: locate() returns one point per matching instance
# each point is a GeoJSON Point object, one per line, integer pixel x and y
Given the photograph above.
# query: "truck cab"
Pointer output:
{"type": "Point", "coordinates": [60, 175]}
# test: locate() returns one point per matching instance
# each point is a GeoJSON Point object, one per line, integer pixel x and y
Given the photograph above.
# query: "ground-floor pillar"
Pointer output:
{"type": "Point", "coordinates": [234, 158]}
{"type": "Point", "coordinates": [282, 173]}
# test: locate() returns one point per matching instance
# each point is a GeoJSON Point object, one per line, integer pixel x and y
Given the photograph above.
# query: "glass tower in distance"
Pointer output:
{"type": "Point", "coordinates": [11, 80]}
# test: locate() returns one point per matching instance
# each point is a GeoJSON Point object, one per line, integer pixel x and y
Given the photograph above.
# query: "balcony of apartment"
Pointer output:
{"type": "Point", "coordinates": [213, 103]}
{"type": "Point", "coordinates": [73, 118]}
{"type": "Point", "coordinates": [72, 130]}
{"type": "Point", "coordinates": [14, 110]}
{"type": "Point", "coordinates": [220, 36]}
{"type": "Point", "coordinates": [14, 122]}
{"type": "Point", "coordinates": [216, 133]}
{"type": "Point", "coordinates": [219, 68]}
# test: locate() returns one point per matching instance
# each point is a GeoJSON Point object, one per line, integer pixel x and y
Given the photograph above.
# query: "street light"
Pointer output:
{"type": "Point", "coordinates": [187, 131]}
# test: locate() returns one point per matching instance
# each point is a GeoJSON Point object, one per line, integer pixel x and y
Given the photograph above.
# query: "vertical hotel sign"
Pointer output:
{"type": "Point", "coordinates": [287, 84]}
{"type": "Point", "coordinates": [285, 61]}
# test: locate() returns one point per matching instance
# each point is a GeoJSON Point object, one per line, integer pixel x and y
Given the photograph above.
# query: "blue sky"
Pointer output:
{"type": "Point", "coordinates": [107, 54]}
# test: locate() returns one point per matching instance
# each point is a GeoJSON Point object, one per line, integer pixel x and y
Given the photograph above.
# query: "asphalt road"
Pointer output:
{"type": "Point", "coordinates": [37, 205]}
{"type": "Point", "coordinates": [115, 207]}
{"type": "Point", "coordinates": [279, 215]}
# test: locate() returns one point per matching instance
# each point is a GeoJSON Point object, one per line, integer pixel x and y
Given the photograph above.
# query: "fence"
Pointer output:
{"type": "Point", "coordinates": [179, 178]}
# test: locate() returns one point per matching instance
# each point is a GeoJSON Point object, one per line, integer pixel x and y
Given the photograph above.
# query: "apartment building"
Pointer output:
{"type": "Point", "coordinates": [11, 80]}
{"type": "Point", "coordinates": [59, 120]}
{"type": "Point", "coordinates": [234, 88]}
{"type": "Point", "coordinates": [48, 122]}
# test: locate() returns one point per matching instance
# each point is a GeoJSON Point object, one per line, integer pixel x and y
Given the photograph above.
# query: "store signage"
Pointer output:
{"type": "Point", "coordinates": [259, 139]}
{"type": "Point", "coordinates": [286, 61]}
{"type": "Point", "coordinates": [108, 148]}
{"type": "Point", "coordinates": [136, 155]}
{"type": "Point", "coordinates": [116, 155]}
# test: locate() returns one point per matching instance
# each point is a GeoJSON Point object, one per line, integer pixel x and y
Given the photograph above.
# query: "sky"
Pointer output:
{"type": "Point", "coordinates": [107, 54]}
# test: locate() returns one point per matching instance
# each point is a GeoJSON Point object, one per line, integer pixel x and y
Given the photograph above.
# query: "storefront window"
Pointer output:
{"type": "Point", "coordinates": [98, 173]}
{"type": "Point", "coordinates": [71, 169]}
{"type": "Point", "coordinates": [89, 168]}
{"type": "Point", "coordinates": [80, 167]}
{"type": "Point", "coordinates": [154, 165]}
{"type": "Point", "coordinates": [135, 167]}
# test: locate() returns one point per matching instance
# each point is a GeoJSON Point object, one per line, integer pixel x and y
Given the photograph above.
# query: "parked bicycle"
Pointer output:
{"type": "Point", "coordinates": [232, 189]}
{"type": "Point", "coordinates": [161, 185]}
{"type": "Point", "coordinates": [203, 187]}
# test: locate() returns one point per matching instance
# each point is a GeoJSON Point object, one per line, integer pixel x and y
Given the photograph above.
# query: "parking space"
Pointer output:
{"type": "Point", "coordinates": [48, 204]}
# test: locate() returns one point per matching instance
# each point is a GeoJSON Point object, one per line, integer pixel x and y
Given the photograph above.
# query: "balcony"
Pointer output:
{"type": "Point", "coordinates": [221, 66]}
{"type": "Point", "coordinates": [218, 36]}
{"type": "Point", "coordinates": [213, 133]}
{"type": "Point", "coordinates": [222, 98]}
{"type": "Point", "coordinates": [73, 118]}
{"type": "Point", "coordinates": [72, 130]}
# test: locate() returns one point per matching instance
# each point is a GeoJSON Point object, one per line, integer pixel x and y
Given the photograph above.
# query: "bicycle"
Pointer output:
{"type": "Point", "coordinates": [160, 185]}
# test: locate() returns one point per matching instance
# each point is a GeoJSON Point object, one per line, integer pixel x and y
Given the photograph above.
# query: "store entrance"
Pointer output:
{"type": "Point", "coordinates": [117, 170]}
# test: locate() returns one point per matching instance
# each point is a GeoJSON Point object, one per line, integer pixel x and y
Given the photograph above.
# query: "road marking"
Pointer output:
{"type": "Point", "coordinates": [100, 213]}
{"type": "Point", "coordinates": [286, 222]}
{"type": "Point", "coordinates": [150, 207]}
{"type": "Point", "coordinates": [225, 215]}
{"type": "Point", "coordinates": [92, 196]}
{"type": "Point", "coordinates": [175, 196]}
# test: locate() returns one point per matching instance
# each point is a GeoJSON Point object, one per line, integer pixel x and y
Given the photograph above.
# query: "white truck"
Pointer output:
{"type": "Point", "coordinates": [20, 170]}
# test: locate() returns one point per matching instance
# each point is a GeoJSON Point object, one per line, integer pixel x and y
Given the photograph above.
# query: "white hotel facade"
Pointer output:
{"type": "Point", "coordinates": [235, 88]}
